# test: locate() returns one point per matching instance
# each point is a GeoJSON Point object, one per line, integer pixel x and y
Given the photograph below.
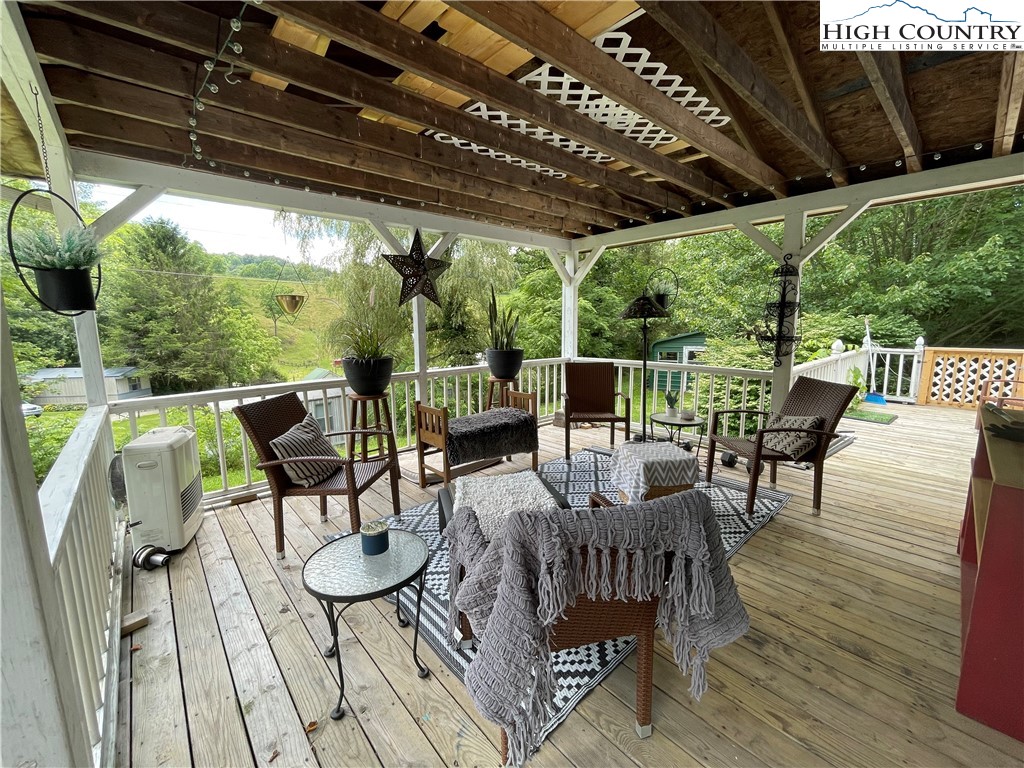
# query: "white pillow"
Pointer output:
{"type": "Point", "coordinates": [305, 439]}
{"type": "Point", "coordinates": [793, 444]}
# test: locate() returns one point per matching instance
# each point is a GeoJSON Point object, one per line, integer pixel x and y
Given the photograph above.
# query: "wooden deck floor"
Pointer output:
{"type": "Point", "coordinates": [851, 660]}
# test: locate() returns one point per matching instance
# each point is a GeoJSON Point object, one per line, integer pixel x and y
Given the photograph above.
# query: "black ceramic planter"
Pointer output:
{"type": "Point", "coordinates": [66, 289]}
{"type": "Point", "coordinates": [368, 377]}
{"type": "Point", "coordinates": [505, 363]}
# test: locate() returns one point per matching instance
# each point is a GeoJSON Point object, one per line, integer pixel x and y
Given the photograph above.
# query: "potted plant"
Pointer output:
{"type": "Point", "coordinates": [504, 358]}
{"type": "Point", "coordinates": [61, 264]}
{"type": "Point", "coordinates": [671, 399]}
{"type": "Point", "coordinates": [366, 362]}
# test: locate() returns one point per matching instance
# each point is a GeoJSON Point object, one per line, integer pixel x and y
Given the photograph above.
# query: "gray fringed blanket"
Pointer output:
{"type": "Point", "coordinates": [490, 434]}
{"type": "Point", "coordinates": [521, 582]}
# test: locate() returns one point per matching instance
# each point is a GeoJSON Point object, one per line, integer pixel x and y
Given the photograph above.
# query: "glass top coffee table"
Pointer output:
{"type": "Point", "coordinates": [339, 573]}
{"type": "Point", "coordinates": [675, 426]}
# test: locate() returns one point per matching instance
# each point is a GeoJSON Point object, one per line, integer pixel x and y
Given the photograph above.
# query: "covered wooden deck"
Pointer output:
{"type": "Point", "coordinates": [852, 657]}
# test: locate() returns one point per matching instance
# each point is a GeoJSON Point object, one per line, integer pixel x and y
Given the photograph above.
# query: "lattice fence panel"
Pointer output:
{"type": "Point", "coordinates": [953, 377]}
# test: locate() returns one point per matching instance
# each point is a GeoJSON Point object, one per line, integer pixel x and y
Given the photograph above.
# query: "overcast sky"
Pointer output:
{"type": "Point", "coordinates": [219, 227]}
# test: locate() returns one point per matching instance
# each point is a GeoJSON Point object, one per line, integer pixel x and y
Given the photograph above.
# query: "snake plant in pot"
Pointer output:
{"type": "Point", "coordinates": [504, 358]}
{"type": "Point", "coordinates": [671, 400]}
{"type": "Point", "coordinates": [61, 264]}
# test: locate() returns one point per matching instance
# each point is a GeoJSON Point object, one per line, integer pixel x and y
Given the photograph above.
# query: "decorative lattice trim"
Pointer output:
{"type": "Point", "coordinates": [554, 83]}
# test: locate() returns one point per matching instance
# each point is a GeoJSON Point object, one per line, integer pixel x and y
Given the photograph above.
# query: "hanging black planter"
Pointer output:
{"type": "Point", "coordinates": [67, 292]}
{"type": "Point", "coordinates": [65, 289]}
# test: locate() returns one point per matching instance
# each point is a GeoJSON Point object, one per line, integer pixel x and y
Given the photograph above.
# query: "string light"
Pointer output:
{"type": "Point", "coordinates": [210, 65]}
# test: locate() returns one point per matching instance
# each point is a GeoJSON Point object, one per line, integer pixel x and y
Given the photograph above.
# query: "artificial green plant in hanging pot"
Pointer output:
{"type": "Point", "coordinates": [62, 265]}
{"type": "Point", "coordinates": [504, 358]}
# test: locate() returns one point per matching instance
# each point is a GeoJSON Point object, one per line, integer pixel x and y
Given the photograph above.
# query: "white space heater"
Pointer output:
{"type": "Point", "coordinates": [165, 487]}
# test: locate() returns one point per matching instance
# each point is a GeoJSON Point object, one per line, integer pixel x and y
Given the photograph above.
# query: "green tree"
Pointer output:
{"type": "Point", "coordinates": [163, 313]}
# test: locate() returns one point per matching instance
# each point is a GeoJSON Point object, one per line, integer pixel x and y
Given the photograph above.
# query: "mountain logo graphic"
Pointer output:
{"type": "Point", "coordinates": [911, 7]}
{"type": "Point", "coordinates": [919, 25]}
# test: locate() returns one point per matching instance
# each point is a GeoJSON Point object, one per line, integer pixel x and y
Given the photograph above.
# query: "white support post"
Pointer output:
{"type": "Point", "coordinates": [22, 73]}
{"type": "Point", "coordinates": [44, 720]}
{"type": "Point", "coordinates": [915, 373]}
{"type": "Point", "coordinates": [570, 308]}
{"type": "Point", "coordinates": [793, 238]}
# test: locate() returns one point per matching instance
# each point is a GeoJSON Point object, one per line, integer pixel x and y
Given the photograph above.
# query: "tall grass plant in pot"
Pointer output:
{"type": "Point", "coordinates": [368, 362]}
{"type": "Point", "coordinates": [504, 358]}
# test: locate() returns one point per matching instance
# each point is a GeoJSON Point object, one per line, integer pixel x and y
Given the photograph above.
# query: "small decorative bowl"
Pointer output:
{"type": "Point", "coordinates": [374, 537]}
{"type": "Point", "coordinates": [686, 415]}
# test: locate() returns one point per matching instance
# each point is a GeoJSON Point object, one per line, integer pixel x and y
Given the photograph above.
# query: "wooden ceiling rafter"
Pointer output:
{"type": "Point", "coordinates": [367, 31]}
{"type": "Point", "coordinates": [288, 32]}
{"type": "Point", "coordinates": [161, 138]}
{"type": "Point", "coordinates": [1011, 99]}
{"type": "Point", "coordinates": [193, 29]}
{"type": "Point", "coordinates": [696, 30]}
{"type": "Point", "coordinates": [885, 73]}
{"type": "Point", "coordinates": [171, 160]}
{"type": "Point", "coordinates": [74, 87]}
{"type": "Point", "coordinates": [546, 37]}
{"type": "Point", "coordinates": [94, 52]}
{"type": "Point", "coordinates": [795, 66]}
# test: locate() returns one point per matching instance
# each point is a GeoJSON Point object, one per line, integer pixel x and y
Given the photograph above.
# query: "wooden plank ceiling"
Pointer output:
{"type": "Point", "coordinates": [569, 118]}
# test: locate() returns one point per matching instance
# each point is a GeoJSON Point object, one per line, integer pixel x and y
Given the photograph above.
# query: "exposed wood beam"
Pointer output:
{"type": "Point", "coordinates": [937, 182]}
{"type": "Point", "coordinates": [126, 131]}
{"type": "Point", "coordinates": [795, 66]}
{"type": "Point", "coordinates": [366, 30]}
{"type": "Point", "coordinates": [123, 164]}
{"type": "Point", "coordinates": [62, 43]}
{"type": "Point", "coordinates": [885, 73]}
{"type": "Point", "coordinates": [135, 203]}
{"type": "Point", "coordinates": [531, 27]}
{"type": "Point", "coordinates": [703, 37]}
{"type": "Point", "coordinates": [74, 87]}
{"type": "Point", "coordinates": [196, 30]}
{"type": "Point", "coordinates": [1011, 96]}
{"type": "Point", "coordinates": [728, 101]}
{"type": "Point", "coordinates": [296, 35]}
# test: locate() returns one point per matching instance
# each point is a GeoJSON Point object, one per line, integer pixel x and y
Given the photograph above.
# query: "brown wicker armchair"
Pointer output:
{"type": "Point", "coordinates": [590, 396]}
{"type": "Point", "coordinates": [808, 397]}
{"type": "Point", "coordinates": [268, 419]}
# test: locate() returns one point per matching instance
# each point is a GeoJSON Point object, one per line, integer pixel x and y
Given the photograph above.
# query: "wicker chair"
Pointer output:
{"type": "Point", "coordinates": [590, 396]}
{"type": "Point", "coordinates": [808, 397]}
{"type": "Point", "coordinates": [267, 419]}
{"type": "Point", "coordinates": [591, 621]}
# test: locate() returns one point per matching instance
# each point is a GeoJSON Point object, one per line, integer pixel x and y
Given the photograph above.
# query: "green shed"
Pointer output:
{"type": "Point", "coordinates": [682, 348]}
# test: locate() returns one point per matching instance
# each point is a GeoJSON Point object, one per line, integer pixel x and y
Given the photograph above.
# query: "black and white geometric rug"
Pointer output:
{"type": "Point", "coordinates": [578, 670]}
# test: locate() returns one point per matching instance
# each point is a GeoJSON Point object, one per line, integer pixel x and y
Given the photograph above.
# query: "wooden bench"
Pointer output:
{"type": "Point", "coordinates": [433, 435]}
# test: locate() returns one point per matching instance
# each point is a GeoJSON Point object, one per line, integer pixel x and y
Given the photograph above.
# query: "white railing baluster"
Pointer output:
{"type": "Point", "coordinates": [222, 459]}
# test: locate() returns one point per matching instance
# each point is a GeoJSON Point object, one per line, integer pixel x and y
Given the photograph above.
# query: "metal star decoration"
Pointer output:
{"type": "Point", "coordinates": [418, 271]}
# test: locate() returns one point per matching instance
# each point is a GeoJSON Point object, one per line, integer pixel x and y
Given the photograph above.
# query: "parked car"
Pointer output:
{"type": "Point", "coordinates": [31, 409]}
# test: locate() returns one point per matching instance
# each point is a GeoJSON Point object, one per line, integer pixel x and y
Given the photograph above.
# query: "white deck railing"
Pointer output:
{"type": "Point", "coordinates": [85, 544]}
{"type": "Point", "coordinates": [837, 367]}
{"type": "Point", "coordinates": [705, 389]}
{"type": "Point", "coordinates": [226, 453]}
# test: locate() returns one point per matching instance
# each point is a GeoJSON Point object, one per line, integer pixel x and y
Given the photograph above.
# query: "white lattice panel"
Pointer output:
{"type": "Point", "coordinates": [558, 85]}
{"type": "Point", "coordinates": [956, 378]}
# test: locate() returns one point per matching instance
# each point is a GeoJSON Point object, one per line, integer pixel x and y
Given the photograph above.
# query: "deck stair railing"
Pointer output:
{"type": "Point", "coordinates": [85, 544]}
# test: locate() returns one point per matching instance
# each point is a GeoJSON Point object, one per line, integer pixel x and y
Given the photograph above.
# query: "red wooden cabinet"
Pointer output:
{"type": "Point", "coordinates": [991, 548]}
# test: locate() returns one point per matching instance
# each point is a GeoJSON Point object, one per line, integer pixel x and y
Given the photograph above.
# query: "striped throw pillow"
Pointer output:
{"type": "Point", "coordinates": [793, 444]}
{"type": "Point", "coordinates": [305, 439]}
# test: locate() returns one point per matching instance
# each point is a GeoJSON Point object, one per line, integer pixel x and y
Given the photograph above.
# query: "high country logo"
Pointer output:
{"type": "Point", "coordinates": [905, 26]}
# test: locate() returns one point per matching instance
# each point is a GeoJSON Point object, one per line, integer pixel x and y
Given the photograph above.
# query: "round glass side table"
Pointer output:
{"type": "Point", "coordinates": [340, 574]}
{"type": "Point", "coordinates": [675, 426]}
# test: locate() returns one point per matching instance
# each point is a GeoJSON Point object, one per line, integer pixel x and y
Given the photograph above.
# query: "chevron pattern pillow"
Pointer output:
{"type": "Point", "coordinates": [305, 439]}
{"type": "Point", "coordinates": [793, 444]}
